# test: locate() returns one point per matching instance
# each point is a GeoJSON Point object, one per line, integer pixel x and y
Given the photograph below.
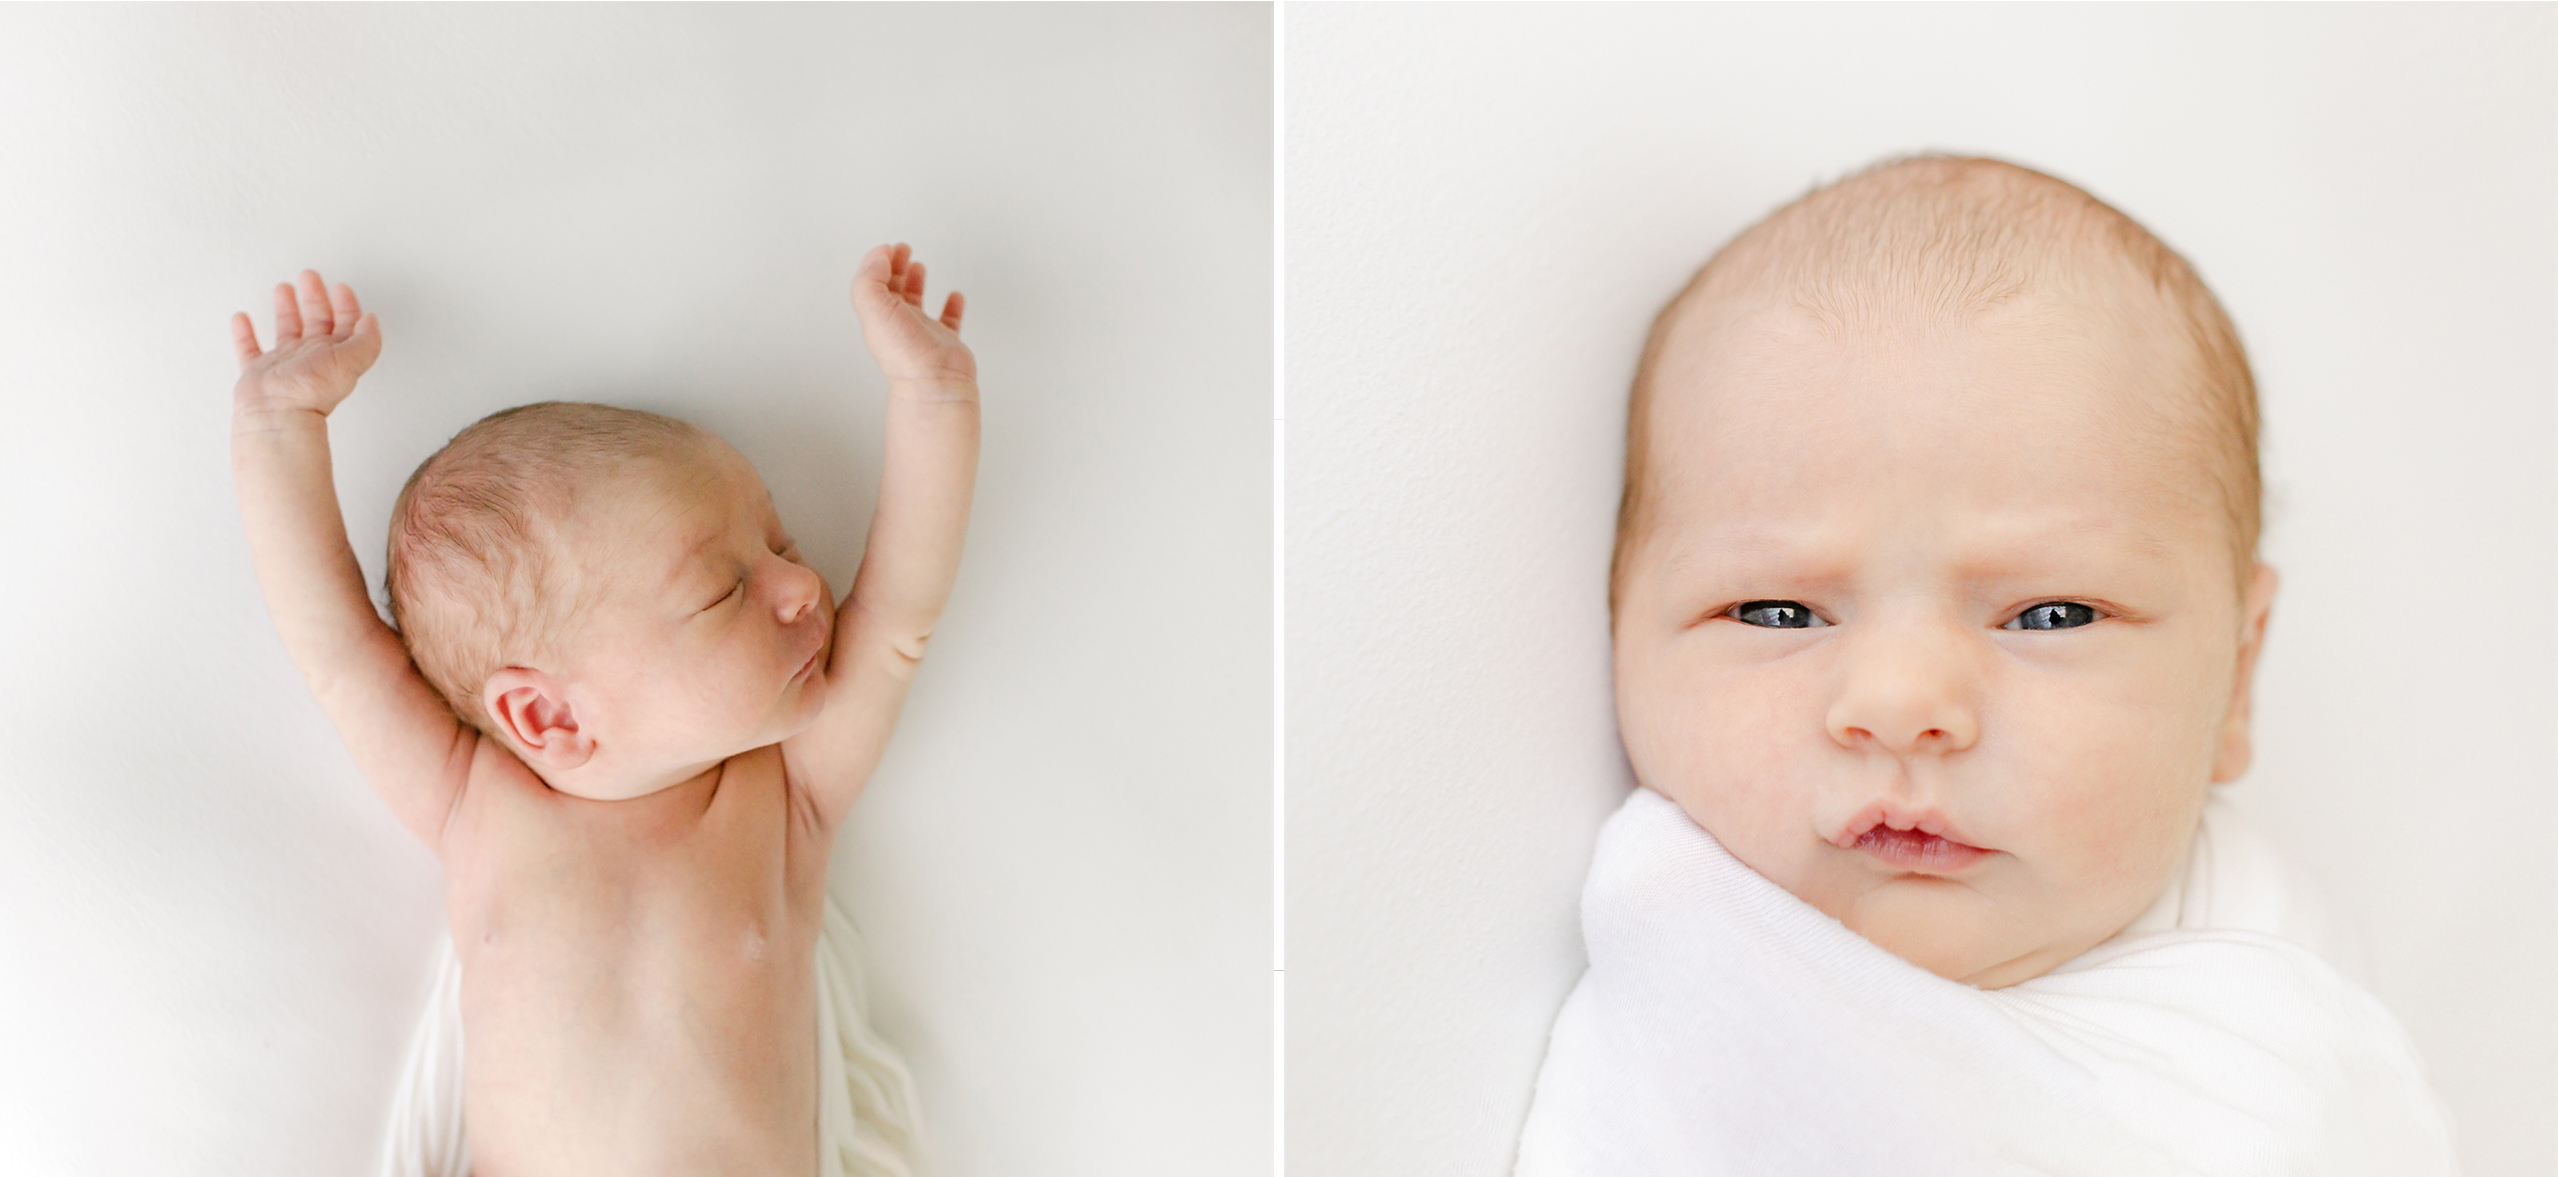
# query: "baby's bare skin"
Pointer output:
{"type": "Point", "coordinates": [635, 873]}
{"type": "Point", "coordinates": [637, 989]}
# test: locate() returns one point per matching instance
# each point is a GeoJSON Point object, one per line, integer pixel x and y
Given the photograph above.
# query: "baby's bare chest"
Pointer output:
{"type": "Point", "coordinates": [696, 876]}
{"type": "Point", "coordinates": [646, 961]}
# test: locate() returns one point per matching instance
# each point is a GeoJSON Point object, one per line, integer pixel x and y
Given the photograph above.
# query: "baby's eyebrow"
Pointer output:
{"type": "Point", "coordinates": [1808, 556]}
{"type": "Point", "coordinates": [1759, 548]}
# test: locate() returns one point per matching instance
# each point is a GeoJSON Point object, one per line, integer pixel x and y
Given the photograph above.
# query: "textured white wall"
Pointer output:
{"type": "Point", "coordinates": [213, 938]}
{"type": "Point", "coordinates": [1487, 204]}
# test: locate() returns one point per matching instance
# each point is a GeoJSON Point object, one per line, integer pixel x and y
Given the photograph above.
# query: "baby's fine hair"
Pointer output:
{"type": "Point", "coordinates": [1952, 237]}
{"type": "Point", "coordinates": [476, 576]}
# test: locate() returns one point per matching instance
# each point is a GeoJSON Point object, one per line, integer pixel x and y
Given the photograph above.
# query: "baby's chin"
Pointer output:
{"type": "Point", "coordinates": [1961, 934]}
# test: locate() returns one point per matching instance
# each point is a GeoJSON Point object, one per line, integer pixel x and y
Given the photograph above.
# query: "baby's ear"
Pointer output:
{"type": "Point", "coordinates": [2236, 749]}
{"type": "Point", "coordinates": [531, 708]}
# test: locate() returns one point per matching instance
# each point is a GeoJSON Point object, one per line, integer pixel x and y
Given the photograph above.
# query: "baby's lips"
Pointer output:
{"type": "Point", "coordinates": [807, 656]}
{"type": "Point", "coordinates": [1923, 853]}
{"type": "Point", "coordinates": [1889, 816]}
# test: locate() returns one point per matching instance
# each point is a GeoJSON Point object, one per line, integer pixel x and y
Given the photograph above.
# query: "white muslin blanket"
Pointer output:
{"type": "Point", "coordinates": [865, 1102]}
{"type": "Point", "coordinates": [1726, 1027]}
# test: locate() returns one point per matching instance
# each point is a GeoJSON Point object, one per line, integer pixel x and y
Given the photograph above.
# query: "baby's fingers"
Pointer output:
{"type": "Point", "coordinates": [316, 316]}
{"type": "Point", "coordinates": [914, 292]}
{"type": "Point", "coordinates": [349, 312]}
{"type": "Point", "coordinates": [244, 339]}
{"type": "Point", "coordinates": [874, 267]}
{"type": "Point", "coordinates": [878, 274]}
{"type": "Point", "coordinates": [288, 318]}
{"type": "Point", "coordinates": [951, 308]}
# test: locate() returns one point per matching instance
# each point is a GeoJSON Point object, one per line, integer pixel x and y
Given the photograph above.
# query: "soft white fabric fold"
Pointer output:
{"type": "Point", "coordinates": [1726, 1027]}
{"type": "Point", "coordinates": [865, 1101]}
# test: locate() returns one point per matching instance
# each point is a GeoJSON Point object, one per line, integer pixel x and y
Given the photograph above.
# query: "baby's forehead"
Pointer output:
{"type": "Point", "coordinates": [1931, 323]}
{"type": "Point", "coordinates": [1762, 404]}
{"type": "Point", "coordinates": [658, 501]}
{"type": "Point", "coordinates": [2035, 354]}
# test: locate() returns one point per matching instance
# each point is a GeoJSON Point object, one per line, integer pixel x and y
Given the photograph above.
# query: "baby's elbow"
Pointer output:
{"type": "Point", "coordinates": [901, 654]}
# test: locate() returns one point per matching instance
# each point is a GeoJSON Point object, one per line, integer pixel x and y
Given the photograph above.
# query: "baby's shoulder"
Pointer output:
{"type": "Point", "coordinates": [762, 777]}
{"type": "Point", "coordinates": [505, 803]}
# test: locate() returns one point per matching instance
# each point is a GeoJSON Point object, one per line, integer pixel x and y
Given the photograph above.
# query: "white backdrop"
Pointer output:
{"type": "Point", "coordinates": [213, 939]}
{"type": "Point", "coordinates": [1485, 207]}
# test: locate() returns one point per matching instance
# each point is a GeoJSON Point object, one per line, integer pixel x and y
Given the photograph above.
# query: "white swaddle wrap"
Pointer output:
{"type": "Point", "coordinates": [865, 1102]}
{"type": "Point", "coordinates": [1727, 1027]}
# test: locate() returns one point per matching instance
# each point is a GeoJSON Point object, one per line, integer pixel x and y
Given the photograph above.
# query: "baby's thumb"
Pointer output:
{"type": "Point", "coordinates": [365, 342]}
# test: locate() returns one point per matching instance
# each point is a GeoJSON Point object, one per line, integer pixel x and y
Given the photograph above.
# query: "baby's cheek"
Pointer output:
{"type": "Point", "coordinates": [1757, 782]}
{"type": "Point", "coordinates": [811, 700]}
{"type": "Point", "coordinates": [1736, 765]}
{"type": "Point", "coordinates": [1672, 735]}
{"type": "Point", "coordinates": [750, 703]}
{"type": "Point", "coordinates": [1763, 729]}
{"type": "Point", "coordinates": [720, 707]}
{"type": "Point", "coordinates": [2116, 833]}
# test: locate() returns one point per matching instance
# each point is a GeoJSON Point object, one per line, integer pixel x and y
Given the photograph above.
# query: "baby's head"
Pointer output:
{"type": "Point", "coordinates": [609, 593]}
{"type": "Point", "coordinates": [1935, 592]}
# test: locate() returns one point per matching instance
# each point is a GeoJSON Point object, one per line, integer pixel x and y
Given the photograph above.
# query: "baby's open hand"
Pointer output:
{"type": "Point", "coordinates": [321, 346]}
{"type": "Point", "coordinates": [888, 294]}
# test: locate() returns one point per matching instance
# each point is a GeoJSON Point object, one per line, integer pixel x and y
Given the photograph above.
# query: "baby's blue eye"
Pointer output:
{"type": "Point", "coordinates": [2053, 615]}
{"type": "Point", "coordinates": [1776, 615]}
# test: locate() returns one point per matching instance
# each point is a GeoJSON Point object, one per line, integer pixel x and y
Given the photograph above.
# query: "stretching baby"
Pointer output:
{"type": "Point", "coordinates": [629, 719]}
{"type": "Point", "coordinates": [1936, 603]}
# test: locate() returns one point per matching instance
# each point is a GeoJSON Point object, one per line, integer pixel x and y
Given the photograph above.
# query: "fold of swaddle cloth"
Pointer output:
{"type": "Point", "coordinates": [865, 1101]}
{"type": "Point", "coordinates": [426, 1138]}
{"type": "Point", "coordinates": [1727, 1027]}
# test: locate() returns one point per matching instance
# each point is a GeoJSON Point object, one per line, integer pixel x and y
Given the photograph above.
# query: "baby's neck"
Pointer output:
{"type": "Point", "coordinates": [601, 780]}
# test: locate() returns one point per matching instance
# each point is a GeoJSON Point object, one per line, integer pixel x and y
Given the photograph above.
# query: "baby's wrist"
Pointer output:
{"type": "Point", "coordinates": [250, 420]}
{"type": "Point", "coordinates": [933, 388]}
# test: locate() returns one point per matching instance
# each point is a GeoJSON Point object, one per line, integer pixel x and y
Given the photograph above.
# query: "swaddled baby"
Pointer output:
{"type": "Point", "coordinates": [630, 719]}
{"type": "Point", "coordinates": [1936, 603]}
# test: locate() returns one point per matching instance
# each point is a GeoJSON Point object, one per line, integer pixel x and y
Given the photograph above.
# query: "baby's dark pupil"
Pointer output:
{"type": "Point", "coordinates": [2058, 615]}
{"type": "Point", "coordinates": [1776, 614]}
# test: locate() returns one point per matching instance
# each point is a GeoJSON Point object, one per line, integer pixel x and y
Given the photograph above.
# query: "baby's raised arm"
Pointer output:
{"type": "Point", "coordinates": [926, 480]}
{"type": "Point", "coordinates": [405, 740]}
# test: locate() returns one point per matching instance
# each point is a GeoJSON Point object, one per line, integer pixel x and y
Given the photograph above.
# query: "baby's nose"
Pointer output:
{"type": "Point", "coordinates": [1906, 690]}
{"type": "Point", "coordinates": [801, 590]}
